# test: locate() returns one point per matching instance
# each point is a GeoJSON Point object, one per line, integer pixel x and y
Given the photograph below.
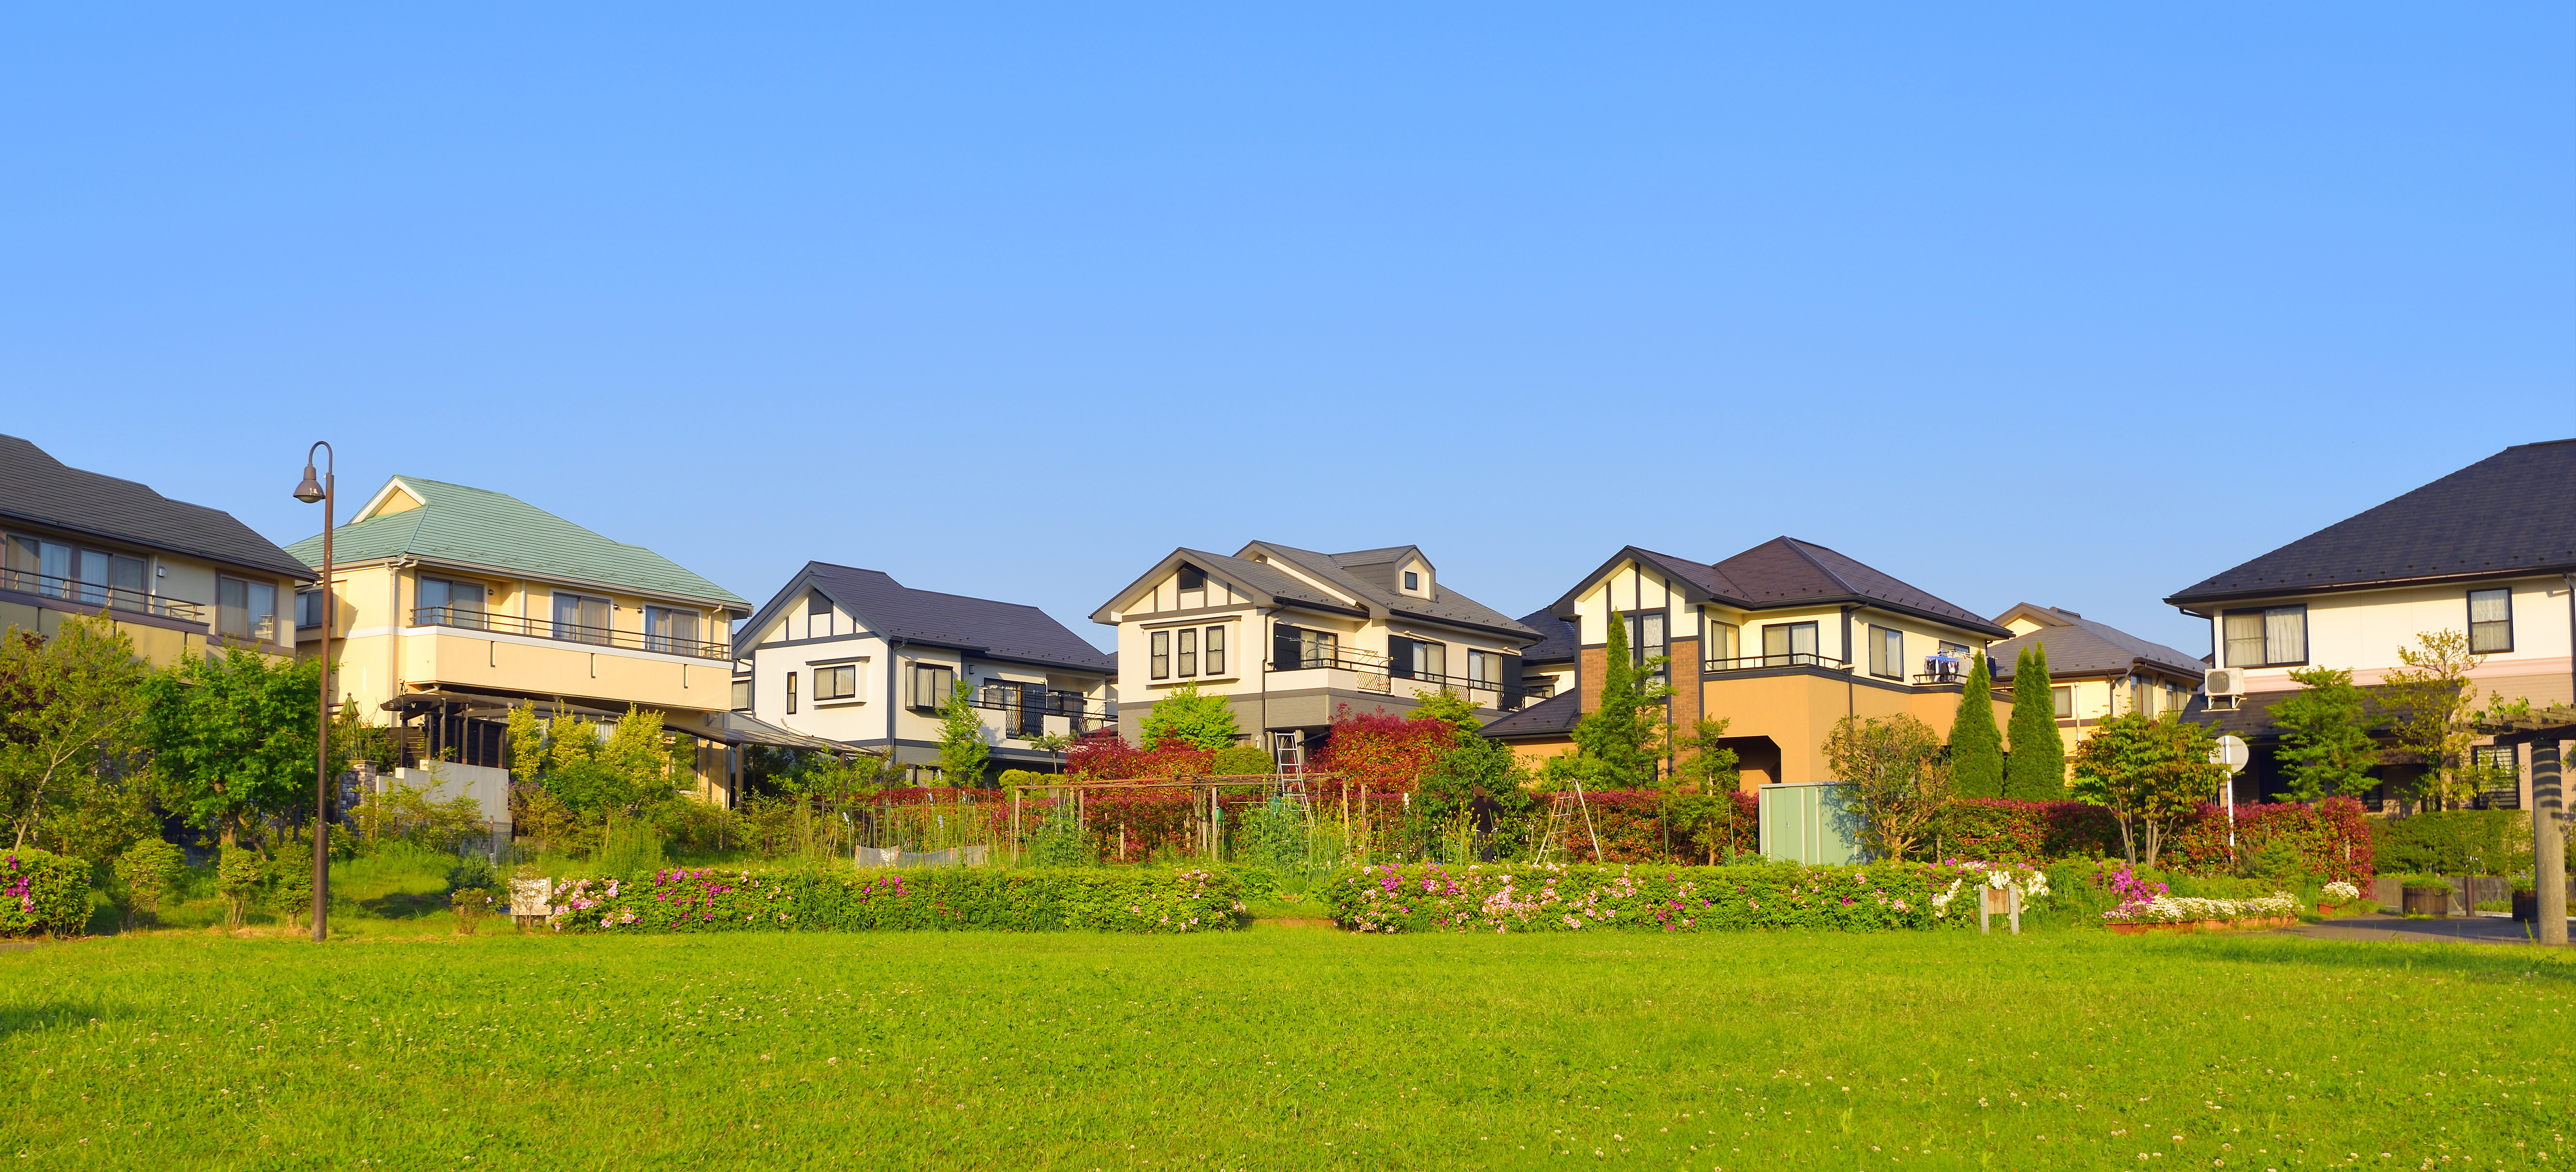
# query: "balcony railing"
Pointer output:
{"type": "Point", "coordinates": [82, 593]}
{"type": "Point", "coordinates": [1791, 659]}
{"type": "Point", "coordinates": [464, 619]}
{"type": "Point", "coordinates": [1370, 666]}
{"type": "Point", "coordinates": [1017, 713]}
{"type": "Point", "coordinates": [1942, 670]}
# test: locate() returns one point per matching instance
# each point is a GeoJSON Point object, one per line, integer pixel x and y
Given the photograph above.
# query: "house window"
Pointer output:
{"type": "Point", "coordinates": [931, 685]}
{"type": "Point", "coordinates": [1788, 644]}
{"type": "Point", "coordinates": [308, 609]}
{"type": "Point", "coordinates": [1292, 648]}
{"type": "Point", "coordinates": [1412, 580]}
{"type": "Point", "coordinates": [836, 683]}
{"type": "Point", "coordinates": [1189, 650]}
{"type": "Point", "coordinates": [581, 618]}
{"type": "Point", "coordinates": [676, 632]}
{"type": "Point", "coordinates": [246, 610]}
{"type": "Point", "coordinates": [742, 695]}
{"type": "Point", "coordinates": [1484, 669]}
{"type": "Point", "coordinates": [1409, 659]}
{"type": "Point", "coordinates": [2490, 620]}
{"type": "Point", "coordinates": [1949, 650]}
{"type": "Point", "coordinates": [1193, 587]}
{"type": "Point", "coordinates": [2272, 637]}
{"type": "Point", "coordinates": [791, 693]}
{"type": "Point", "coordinates": [1725, 643]}
{"type": "Point", "coordinates": [1026, 716]}
{"type": "Point", "coordinates": [1887, 653]}
{"type": "Point", "coordinates": [1159, 659]}
{"type": "Point", "coordinates": [443, 603]}
{"type": "Point", "coordinates": [1216, 651]}
{"type": "Point", "coordinates": [818, 615]}
{"type": "Point", "coordinates": [2062, 698]}
{"type": "Point", "coordinates": [2496, 767]}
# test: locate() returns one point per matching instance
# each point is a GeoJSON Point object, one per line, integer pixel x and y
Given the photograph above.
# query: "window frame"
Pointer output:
{"type": "Point", "coordinates": [2263, 615]}
{"type": "Point", "coordinates": [836, 682]}
{"type": "Point", "coordinates": [2506, 622]}
{"type": "Point", "coordinates": [1187, 657]}
{"type": "Point", "coordinates": [744, 696]}
{"type": "Point", "coordinates": [2061, 701]}
{"type": "Point", "coordinates": [791, 693]}
{"type": "Point", "coordinates": [224, 610]}
{"type": "Point", "coordinates": [1213, 646]}
{"type": "Point", "coordinates": [1789, 633]}
{"type": "Point", "coordinates": [1158, 655]}
{"type": "Point", "coordinates": [938, 692]}
{"type": "Point", "coordinates": [1720, 640]}
{"type": "Point", "coordinates": [1412, 580]}
{"type": "Point", "coordinates": [308, 600]}
{"type": "Point", "coordinates": [1886, 654]}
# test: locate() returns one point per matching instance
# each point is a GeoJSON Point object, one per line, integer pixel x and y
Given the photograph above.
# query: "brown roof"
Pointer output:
{"type": "Point", "coordinates": [1785, 571]}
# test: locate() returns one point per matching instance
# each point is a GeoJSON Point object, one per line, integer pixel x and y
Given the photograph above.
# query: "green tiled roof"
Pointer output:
{"type": "Point", "coordinates": [483, 528]}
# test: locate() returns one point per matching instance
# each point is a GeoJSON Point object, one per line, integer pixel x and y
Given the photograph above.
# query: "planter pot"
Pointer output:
{"type": "Point", "coordinates": [2526, 906]}
{"type": "Point", "coordinates": [2188, 926]}
{"type": "Point", "coordinates": [2436, 904]}
{"type": "Point", "coordinates": [2325, 909]}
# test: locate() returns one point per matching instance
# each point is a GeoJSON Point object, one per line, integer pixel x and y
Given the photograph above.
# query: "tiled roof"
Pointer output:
{"type": "Point", "coordinates": [37, 488]}
{"type": "Point", "coordinates": [1550, 718]}
{"type": "Point", "coordinates": [1787, 570]}
{"type": "Point", "coordinates": [1003, 630]}
{"type": "Point", "coordinates": [1563, 638]}
{"type": "Point", "coordinates": [2079, 646]}
{"type": "Point", "coordinates": [1446, 605]}
{"type": "Point", "coordinates": [483, 528]}
{"type": "Point", "coordinates": [2252, 720]}
{"type": "Point", "coordinates": [2513, 511]}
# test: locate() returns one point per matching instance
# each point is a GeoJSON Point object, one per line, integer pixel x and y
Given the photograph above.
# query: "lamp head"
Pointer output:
{"type": "Point", "coordinates": [311, 490]}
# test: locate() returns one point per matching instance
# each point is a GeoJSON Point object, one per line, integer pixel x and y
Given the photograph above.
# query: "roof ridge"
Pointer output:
{"type": "Point", "coordinates": [1801, 547]}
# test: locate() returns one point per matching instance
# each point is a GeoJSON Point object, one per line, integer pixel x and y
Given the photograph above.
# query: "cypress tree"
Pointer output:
{"type": "Point", "coordinates": [2036, 770]}
{"type": "Point", "coordinates": [1976, 747]}
{"type": "Point", "coordinates": [1618, 735]}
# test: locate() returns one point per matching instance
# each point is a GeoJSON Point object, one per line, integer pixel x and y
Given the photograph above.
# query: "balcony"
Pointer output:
{"type": "Point", "coordinates": [1372, 673]}
{"type": "Point", "coordinates": [94, 594]}
{"type": "Point", "coordinates": [465, 619]}
{"type": "Point", "coordinates": [1942, 669]}
{"type": "Point", "coordinates": [1789, 659]}
{"type": "Point", "coordinates": [1023, 719]}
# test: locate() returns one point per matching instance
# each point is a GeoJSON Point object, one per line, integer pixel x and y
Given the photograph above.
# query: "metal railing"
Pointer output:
{"type": "Point", "coordinates": [1069, 705]}
{"type": "Point", "coordinates": [464, 619]}
{"type": "Point", "coordinates": [93, 594]}
{"type": "Point", "coordinates": [1791, 659]}
{"type": "Point", "coordinates": [1937, 670]}
{"type": "Point", "coordinates": [1377, 675]}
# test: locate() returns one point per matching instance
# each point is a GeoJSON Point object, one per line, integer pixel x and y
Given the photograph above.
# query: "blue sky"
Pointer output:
{"type": "Point", "coordinates": [2073, 307]}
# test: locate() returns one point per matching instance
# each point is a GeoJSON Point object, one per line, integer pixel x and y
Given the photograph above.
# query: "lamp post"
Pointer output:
{"type": "Point", "coordinates": [308, 492]}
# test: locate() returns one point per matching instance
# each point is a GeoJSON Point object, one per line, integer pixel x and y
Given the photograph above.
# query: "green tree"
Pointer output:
{"type": "Point", "coordinates": [1615, 743]}
{"type": "Point", "coordinates": [1976, 746]}
{"type": "Point", "coordinates": [2326, 748]}
{"type": "Point", "coordinates": [232, 738]}
{"type": "Point", "coordinates": [2151, 774]}
{"type": "Point", "coordinates": [1700, 804]}
{"type": "Point", "coordinates": [1203, 722]}
{"type": "Point", "coordinates": [146, 874]}
{"type": "Point", "coordinates": [2036, 770]}
{"type": "Point", "coordinates": [962, 750]}
{"type": "Point", "coordinates": [2436, 714]}
{"type": "Point", "coordinates": [1898, 781]}
{"type": "Point", "coordinates": [71, 717]}
{"type": "Point", "coordinates": [1443, 704]}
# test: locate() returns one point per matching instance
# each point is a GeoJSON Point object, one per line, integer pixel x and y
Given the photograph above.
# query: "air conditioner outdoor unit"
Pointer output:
{"type": "Point", "coordinates": [2226, 687]}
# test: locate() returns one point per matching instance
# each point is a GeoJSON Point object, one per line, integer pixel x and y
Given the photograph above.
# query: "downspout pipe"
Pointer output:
{"type": "Point", "coordinates": [894, 646]}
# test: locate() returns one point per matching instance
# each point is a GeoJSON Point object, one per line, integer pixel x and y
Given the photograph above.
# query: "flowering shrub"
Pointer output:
{"type": "Point", "coordinates": [2000, 828]}
{"type": "Point", "coordinates": [2332, 837]}
{"type": "Point", "coordinates": [2165, 909]}
{"type": "Point", "coordinates": [42, 892]}
{"type": "Point", "coordinates": [2340, 892]}
{"type": "Point", "coordinates": [707, 899]}
{"type": "Point", "coordinates": [1520, 898]}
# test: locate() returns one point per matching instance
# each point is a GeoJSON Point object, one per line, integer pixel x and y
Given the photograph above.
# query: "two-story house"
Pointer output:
{"type": "Point", "coordinates": [1290, 637]}
{"type": "Point", "coordinates": [2095, 671]}
{"type": "Point", "coordinates": [2488, 551]}
{"type": "Point", "coordinates": [855, 657]}
{"type": "Point", "coordinates": [453, 604]}
{"type": "Point", "coordinates": [1781, 640]}
{"type": "Point", "coordinates": [176, 578]}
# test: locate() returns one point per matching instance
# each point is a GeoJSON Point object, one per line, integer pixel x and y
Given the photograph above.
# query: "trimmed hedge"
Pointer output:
{"type": "Point", "coordinates": [41, 892]}
{"type": "Point", "coordinates": [707, 899]}
{"type": "Point", "coordinates": [1519, 898]}
{"type": "Point", "coordinates": [2001, 828]}
{"type": "Point", "coordinates": [2457, 842]}
{"type": "Point", "coordinates": [2333, 838]}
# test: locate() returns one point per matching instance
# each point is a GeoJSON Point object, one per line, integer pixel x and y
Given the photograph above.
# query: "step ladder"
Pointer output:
{"type": "Point", "coordinates": [1560, 823]}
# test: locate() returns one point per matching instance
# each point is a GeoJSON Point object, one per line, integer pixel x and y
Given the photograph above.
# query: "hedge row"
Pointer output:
{"type": "Point", "coordinates": [949, 899]}
{"type": "Point", "coordinates": [2333, 839]}
{"type": "Point", "coordinates": [1431, 898]}
{"type": "Point", "coordinates": [43, 893]}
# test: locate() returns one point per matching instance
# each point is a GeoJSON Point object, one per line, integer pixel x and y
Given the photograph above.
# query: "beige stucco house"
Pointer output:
{"type": "Point", "coordinates": [1290, 637]}
{"type": "Point", "coordinates": [2096, 671]}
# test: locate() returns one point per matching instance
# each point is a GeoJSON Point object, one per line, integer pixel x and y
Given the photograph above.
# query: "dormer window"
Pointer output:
{"type": "Point", "coordinates": [1193, 587]}
{"type": "Point", "coordinates": [1412, 581]}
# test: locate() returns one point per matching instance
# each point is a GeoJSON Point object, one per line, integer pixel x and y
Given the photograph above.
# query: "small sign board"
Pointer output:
{"type": "Point", "coordinates": [2232, 753]}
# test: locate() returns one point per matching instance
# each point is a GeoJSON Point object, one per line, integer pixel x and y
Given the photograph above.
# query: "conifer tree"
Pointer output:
{"type": "Point", "coordinates": [2036, 770]}
{"type": "Point", "coordinates": [1616, 741]}
{"type": "Point", "coordinates": [1976, 746]}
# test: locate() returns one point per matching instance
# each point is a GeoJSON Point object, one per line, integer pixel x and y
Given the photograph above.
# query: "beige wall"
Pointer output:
{"type": "Point", "coordinates": [2361, 631]}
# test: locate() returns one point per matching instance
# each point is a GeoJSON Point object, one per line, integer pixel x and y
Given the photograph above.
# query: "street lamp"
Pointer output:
{"type": "Point", "coordinates": [308, 492]}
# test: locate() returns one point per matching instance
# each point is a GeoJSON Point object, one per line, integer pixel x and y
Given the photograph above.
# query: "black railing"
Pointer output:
{"type": "Point", "coordinates": [1937, 670]}
{"type": "Point", "coordinates": [1538, 691]}
{"type": "Point", "coordinates": [1070, 705]}
{"type": "Point", "coordinates": [93, 594]}
{"type": "Point", "coordinates": [1790, 659]}
{"type": "Point", "coordinates": [466, 619]}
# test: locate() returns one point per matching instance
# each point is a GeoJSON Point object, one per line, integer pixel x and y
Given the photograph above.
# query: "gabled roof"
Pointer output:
{"type": "Point", "coordinates": [978, 626]}
{"type": "Point", "coordinates": [2079, 646]}
{"type": "Point", "coordinates": [1346, 586]}
{"type": "Point", "coordinates": [1550, 719]}
{"type": "Point", "coordinates": [1562, 641]}
{"type": "Point", "coordinates": [1785, 571]}
{"type": "Point", "coordinates": [2511, 513]}
{"type": "Point", "coordinates": [39, 489]}
{"type": "Point", "coordinates": [495, 531]}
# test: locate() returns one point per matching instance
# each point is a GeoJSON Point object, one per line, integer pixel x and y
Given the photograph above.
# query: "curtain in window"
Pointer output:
{"type": "Point", "coordinates": [2285, 634]}
{"type": "Point", "coordinates": [2490, 620]}
{"type": "Point", "coordinates": [1159, 656]}
{"type": "Point", "coordinates": [1431, 659]}
{"type": "Point", "coordinates": [1189, 651]}
{"type": "Point", "coordinates": [1216, 651]}
{"type": "Point", "coordinates": [2245, 639]}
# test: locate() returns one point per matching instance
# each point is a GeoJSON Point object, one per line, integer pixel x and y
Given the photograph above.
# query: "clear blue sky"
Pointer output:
{"type": "Point", "coordinates": [2074, 307]}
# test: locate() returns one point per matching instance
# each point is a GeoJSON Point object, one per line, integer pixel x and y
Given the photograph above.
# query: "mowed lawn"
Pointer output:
{"type": "Point", "coordinates": [1286, 1047]}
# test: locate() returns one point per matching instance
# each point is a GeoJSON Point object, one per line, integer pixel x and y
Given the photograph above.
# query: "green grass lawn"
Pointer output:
{"type": "Point", "coordinates": [1285, 1046]}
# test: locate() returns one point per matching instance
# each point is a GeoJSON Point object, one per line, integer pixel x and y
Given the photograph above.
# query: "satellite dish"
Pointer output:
{"type": "Point", "coordinates": [2232, 753]}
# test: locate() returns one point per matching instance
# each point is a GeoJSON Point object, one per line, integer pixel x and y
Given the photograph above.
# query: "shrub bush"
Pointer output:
{"type": "Point", "coordinates": [43, 892]}
{"type": "Point", "coordinates": [1431, 898]}
{"type": "Point", "coordinates": [2456, 842]}
{"type": "Point", "coordinates": [2000, 828]}
{"type": "Point", "coordinates": [2334, 840]}
{"type": "Point", "coordinates": [950, 899]}
{"type": "Point", "coordinates": [2433, 883]}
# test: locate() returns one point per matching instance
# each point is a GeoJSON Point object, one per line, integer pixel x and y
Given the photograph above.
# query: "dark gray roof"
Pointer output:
{"type": "Point", "coordinates": [2513, 512]}
{"type": "Point", "coordinates": [37, 488]}
{"type": "Point", "coordinates": [1001, 630]}
{"type": "Point", "coordinates": [1445, 604]}
{"type": "Point", "coordinates": [1785, 571]}
{"type": "Point", "coordinates": [1563, 638]}
{"type": "Point", "coordinates": [1551, 718]}
{"type": "Point", "coordinates": [2079, 646]}
{"type": "Point", "coordinates": [2252, 719]}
